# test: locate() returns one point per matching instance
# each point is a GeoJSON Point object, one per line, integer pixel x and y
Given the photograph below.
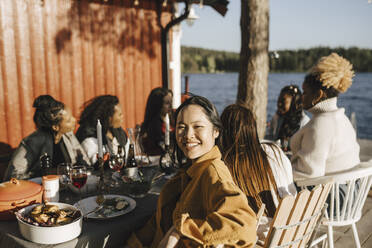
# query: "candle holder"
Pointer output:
{"type": "Point", "coordinates": [101, 183]}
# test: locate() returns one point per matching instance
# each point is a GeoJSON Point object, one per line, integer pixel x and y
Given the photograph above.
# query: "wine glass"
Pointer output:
{"type": "Point", "coordinates": [79, 176]}
{"type": "Point", "coordinates": [116, 163]}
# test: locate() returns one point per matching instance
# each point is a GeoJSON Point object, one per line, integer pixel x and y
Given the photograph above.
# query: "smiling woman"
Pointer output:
{"type": "Point", "coordinates": [222, 215]}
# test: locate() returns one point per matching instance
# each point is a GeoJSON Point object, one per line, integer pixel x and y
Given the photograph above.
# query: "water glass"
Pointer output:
{"type": "Point", "coordinates": [63, 170]}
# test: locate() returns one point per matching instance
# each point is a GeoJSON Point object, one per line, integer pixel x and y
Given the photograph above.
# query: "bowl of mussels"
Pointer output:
{"type": "Point", "coordinates": [50, 223]}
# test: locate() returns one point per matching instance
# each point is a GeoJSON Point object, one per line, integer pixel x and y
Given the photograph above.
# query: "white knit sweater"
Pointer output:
{"type": "Point", "coordinates": [326, 144]}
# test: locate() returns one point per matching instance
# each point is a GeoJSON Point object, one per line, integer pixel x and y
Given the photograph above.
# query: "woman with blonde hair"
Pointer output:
{"type": "Point", "coordinates": [327, 143]}
{"type": "Point", "coordinates": [262, 171]}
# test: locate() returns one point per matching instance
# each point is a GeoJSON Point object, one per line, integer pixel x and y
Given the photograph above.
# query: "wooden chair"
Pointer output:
{"type": "Point", "coordinates": [357, 183]}
{"type": "Point", "coordinates": [296, 218]}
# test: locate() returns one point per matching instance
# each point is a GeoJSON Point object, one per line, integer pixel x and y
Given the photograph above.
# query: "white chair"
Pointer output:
{"type": "Point", "coordinates": [351, 210]}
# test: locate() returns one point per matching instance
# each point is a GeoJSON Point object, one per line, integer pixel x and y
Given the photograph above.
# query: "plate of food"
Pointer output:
{"type": "Point", "coordinates": [112, 206]}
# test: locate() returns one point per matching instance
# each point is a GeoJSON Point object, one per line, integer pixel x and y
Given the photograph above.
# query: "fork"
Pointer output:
{"type": "Point", "coordinates": [99, 207]}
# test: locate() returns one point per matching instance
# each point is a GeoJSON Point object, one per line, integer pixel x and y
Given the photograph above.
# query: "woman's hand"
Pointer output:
{"type": "Point", "coordinates": [170, 239]}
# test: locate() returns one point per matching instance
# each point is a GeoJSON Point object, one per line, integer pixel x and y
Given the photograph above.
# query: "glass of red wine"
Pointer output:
{"type": "Point", "coordinates": [116, 163]}
{"type": "Point", "coordinates": [79, 176]}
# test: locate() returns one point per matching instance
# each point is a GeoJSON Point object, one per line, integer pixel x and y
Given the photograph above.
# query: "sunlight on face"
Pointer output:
{"type": "Point", "coordinates": [67, 123]}
{"type": "Point", "coordinates": [284, 103]}
{"type": "Point", "coordinates": [195, 134]}
{"type": "Point", "coordinates": [117, 118]}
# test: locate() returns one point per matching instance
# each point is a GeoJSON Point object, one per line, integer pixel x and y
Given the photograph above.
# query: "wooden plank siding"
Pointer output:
{"type": "Point", "coordinates": [75, 50]}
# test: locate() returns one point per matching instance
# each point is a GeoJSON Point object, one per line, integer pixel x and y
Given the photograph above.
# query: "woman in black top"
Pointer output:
{"type": "Point", "coordinates": [53, 137]}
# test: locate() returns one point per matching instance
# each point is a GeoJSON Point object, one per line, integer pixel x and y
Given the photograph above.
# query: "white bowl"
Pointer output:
{"type": "Point", "coordinates": [50, 235]}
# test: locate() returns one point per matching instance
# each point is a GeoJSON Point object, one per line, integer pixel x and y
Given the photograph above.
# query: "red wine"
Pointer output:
{"type": "Point", "coordinates": [79, 180]}
{"type": "Point", "coordinates": [116, 166]}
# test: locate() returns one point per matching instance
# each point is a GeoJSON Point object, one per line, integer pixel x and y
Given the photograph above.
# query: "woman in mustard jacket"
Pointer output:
{"type": "Point", "coordinates": [200, 206]}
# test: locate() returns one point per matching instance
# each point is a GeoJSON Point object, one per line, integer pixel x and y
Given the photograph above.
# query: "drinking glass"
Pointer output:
{"type": "Point", "coordinates": [63, 170]}
{"type": "Point", "coordinates": [79, 176]}
{"type": "Point", "coordinates": [116, 163]}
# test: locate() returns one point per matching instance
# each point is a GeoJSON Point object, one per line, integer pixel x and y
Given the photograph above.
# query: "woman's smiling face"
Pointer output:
{"type": "Point", "coordinates": [195, 134]}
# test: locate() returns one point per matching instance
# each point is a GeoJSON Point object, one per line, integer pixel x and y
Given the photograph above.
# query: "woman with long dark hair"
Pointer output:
{"type": "Point", "coordinates": [200, 206]}
{"type": "Point", "coordinates": [105, 108]}
{"type": "Point", "coordinates": [289, 117]}
{"type": "Point", "coordinates": [54, 137]}
{"type": "Point", "coordinates": [261, 170]}
{"type": "Point", "coordinates": [159, 103]}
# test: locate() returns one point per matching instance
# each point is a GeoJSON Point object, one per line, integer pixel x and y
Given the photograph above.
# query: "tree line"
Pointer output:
{"type": "Point", "coordinates": [200, 60]}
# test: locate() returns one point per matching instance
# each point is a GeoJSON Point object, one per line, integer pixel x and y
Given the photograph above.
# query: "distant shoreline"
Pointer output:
{"type": "Point", "coordinates": [200, 60]}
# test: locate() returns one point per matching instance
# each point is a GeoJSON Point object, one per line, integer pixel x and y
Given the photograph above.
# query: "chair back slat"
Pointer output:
{"type": "Point", "coordinates": [366, 191]}
{"type": "Point", "coordinates": [280, 219]}
{"type": "Point", "coordinates": [337, 196]}
{"type": "Point", "coordinates": [346, 201]}
{"type": "Point", "coordinates": [313, 200]}
{"type": "Point", "coordinates": [351, 199]}
{"type": "Point", "coordinates": [358, 197]}
{"type": "Point", "coordinates": [320, 204]}
{"type": "Point", "coordinates": [295, 217]}
{"type": "Point", "coordinates": [332, 207]}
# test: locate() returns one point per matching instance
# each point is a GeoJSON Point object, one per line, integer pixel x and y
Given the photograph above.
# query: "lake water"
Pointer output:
{"type": "Point", "coordinates": [221, 89]}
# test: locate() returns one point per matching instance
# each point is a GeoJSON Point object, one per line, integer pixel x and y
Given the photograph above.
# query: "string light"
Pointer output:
{"type": "Point", "coordinates": [136, 2]}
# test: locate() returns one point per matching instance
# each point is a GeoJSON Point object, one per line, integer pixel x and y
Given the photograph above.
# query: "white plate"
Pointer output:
{"type": "Point", "coordinates": [89, 204]}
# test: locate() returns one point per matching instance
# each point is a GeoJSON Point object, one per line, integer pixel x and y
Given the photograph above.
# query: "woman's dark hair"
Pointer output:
{"type": "Point", "coordinates": [48, 112]}
{"type": "Point", "coordinates": [209, 110]}
{"type": "Point", "coordinates": [315, 85]}
{"type": "Point", "coordinates": [154, 106]}
{"type": "Point", "coordinates": [243, 154]}
{"type": "Point", "coordinates": [100, 107]}
{"type": "Point", "coordinates": [291, 119]}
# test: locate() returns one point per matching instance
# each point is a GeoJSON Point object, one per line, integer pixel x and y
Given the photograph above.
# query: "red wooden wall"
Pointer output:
{"type": "Point", "coordinates": [75, 50]}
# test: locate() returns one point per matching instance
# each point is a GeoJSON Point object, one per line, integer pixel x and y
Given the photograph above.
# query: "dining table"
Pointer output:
{"type": "Point", "coordinates": [106, 232]}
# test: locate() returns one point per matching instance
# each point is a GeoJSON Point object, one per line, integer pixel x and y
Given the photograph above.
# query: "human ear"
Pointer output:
{"type": "Point", "coordinates": [318, 96]}
{"type": "Point", "coordinates": [55, 128]}
{"type": "Point", "coordinates": [216, 133]}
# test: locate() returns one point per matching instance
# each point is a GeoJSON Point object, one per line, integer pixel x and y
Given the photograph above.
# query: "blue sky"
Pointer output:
{"type": "Point", "coordinates": [294, 24]}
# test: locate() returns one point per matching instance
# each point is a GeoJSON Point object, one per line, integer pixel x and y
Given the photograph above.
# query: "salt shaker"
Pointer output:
{"type": "Point", "coordinates": [51, 188]}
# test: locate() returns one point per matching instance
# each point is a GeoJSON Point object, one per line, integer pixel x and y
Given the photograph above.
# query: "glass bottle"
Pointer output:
{"type": "Point", "coordinates": [131, 161]}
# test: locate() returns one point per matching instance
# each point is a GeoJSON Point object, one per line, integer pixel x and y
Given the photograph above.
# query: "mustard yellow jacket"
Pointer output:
{"type": "Point", "coordinates": [204, 205]}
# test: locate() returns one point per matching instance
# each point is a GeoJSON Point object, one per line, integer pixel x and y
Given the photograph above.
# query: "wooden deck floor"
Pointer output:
{"type": "Point", "coordinates": [343, 236]}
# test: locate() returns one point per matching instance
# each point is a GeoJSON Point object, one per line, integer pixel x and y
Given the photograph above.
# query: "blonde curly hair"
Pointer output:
{"type": "Point", "coordinates": [334, 71]}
